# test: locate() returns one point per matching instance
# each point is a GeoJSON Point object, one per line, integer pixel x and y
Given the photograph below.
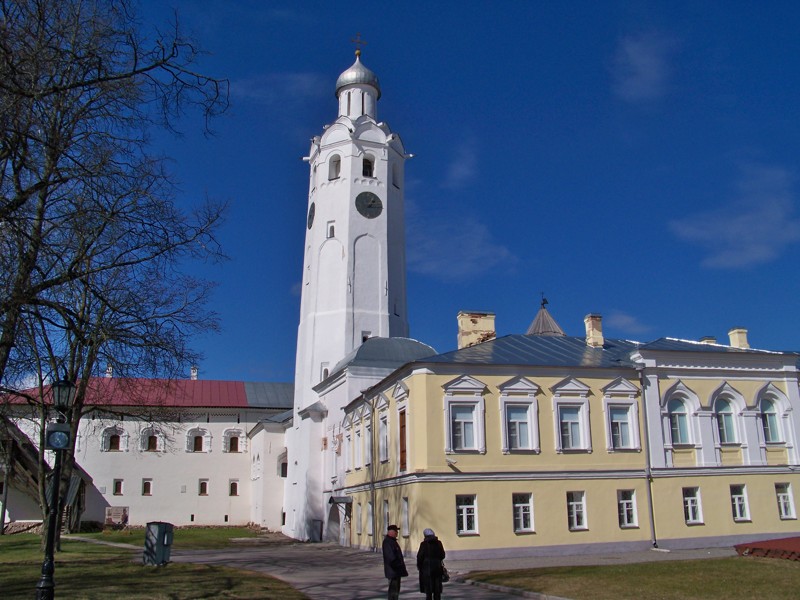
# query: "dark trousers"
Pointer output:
{"type": "Point", "coordinates": [394, 588]}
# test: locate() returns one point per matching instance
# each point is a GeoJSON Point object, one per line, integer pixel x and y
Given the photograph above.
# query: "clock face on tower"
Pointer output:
{"type": "Point", "coordinates": [311, 210]}
{"type": "Point", "coordinates": [369, 205]}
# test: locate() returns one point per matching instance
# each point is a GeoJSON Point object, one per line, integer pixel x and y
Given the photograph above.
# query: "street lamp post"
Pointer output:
{"type": "Point", "coordinates": [57, 438]}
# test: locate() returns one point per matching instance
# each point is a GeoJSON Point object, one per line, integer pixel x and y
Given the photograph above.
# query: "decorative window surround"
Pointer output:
{"type": "Point", "coordinates": [234, 433]}
{"type": "Point", "coordinates": [691, 403]}
{"type": "Point", "coordinates": [123, 438]}
{"type": "Point", "coordinates": [198, 431]}
{"type": "Point", "coordinates": [460, 395]}
{"type": "Point", "coordinates": [572, 394]}
{"type": "Point", "coordinates": [729, 406]}
{"type": "Point", "coordinates": [621, 394]}
{"type": "Point", "coordinates": [519, 392]}
{"type": "Point", "coordinates": [145, 437]}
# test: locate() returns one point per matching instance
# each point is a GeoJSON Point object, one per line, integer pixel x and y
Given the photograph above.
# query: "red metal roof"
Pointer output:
{"type": "Point", "coordinates": [162, 392]}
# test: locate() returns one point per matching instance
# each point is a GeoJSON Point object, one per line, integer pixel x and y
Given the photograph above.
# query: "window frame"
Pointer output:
{"type": "Point", "coordinates": [120, 432]}
{"type": "Point", "coordinates": [118, 487]}
{"type": "Point", "coordinates": [465, 392]}
{"type": "Point", "coordinates": [205, 434]}
{"type": "Point", "coordinates": [573, 394]}
{"type": "Point", "coordinates": [147, 486]}
{"type": "Point", "coordinates": [777, 437]}
{"type": "Point", "coordinates": [692, 506]}
{"type": "Point", "coordinates": [383, 436]}
{"type": "Point", "coordinates": [466, 510]}
{"type": "Point", "coordinates": [740, 507]}
{"type": "Point", "coordinates": [522, 509]}
{"type": "Point", "coordinates": [627, 513]}
{"type": "Point", "coordinates": [202, 487]}
{"type": "Point", "coordinates": [785, 500]}
{"type": "Point", "coordinates": [234, 433]}
{"type": "Point", "coordinates": [675, 418]}
{"type": "Point", "coordinates": [621, 395]}
{"type": "Point", "coordinates": [577, 517]}
{"type": "Point", "coordinates": [233, 487]}
{"type": "Point", "coordinates": [725, 421]}
{"type": "Point", "coordinates": [519, 392]}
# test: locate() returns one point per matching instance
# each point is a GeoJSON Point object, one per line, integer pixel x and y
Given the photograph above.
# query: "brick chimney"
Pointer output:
{"type": "Point", "coordinates": [594, 330]}
{"type": "Point", "coordinates": [738, 337]}
{"type": "Point", "coordinates": [474, 328]}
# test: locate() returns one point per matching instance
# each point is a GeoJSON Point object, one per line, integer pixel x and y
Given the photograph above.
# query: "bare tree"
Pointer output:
{"type": "Point", "coordinates": [91, 241]}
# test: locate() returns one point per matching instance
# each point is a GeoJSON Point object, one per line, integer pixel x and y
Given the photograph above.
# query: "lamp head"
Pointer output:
{"type": "Point", "coordinates": [63, 394]}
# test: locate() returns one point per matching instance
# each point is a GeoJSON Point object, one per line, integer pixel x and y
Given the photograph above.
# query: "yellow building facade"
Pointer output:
{"type": "Point", "coordinates": [549, 444]}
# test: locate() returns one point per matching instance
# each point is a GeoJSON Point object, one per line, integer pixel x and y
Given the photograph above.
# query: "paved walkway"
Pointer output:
{"type": "Point", "coordinates": [331, 572]}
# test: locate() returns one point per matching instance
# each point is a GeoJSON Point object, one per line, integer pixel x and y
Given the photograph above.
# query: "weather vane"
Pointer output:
{"type": "Point", "coordinates": [358, 42]}
{"type": "Point", "coordinates": [544, 301]}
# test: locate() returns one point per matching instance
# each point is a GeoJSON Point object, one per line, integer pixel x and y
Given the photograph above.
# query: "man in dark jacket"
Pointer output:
{"type": "Point", "coordinates": [394, 566]}
{"type": "Point", "coordinates": [429, 564]}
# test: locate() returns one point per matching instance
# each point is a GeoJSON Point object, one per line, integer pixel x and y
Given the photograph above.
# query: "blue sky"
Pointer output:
{"type": "Point", "coordinates": [634, 159]}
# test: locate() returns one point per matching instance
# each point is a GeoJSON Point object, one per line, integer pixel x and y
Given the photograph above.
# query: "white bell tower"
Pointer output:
{"type": "Point", "coordinates": [354, 284]}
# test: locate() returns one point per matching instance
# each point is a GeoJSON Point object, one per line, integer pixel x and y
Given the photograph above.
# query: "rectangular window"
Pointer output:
{"type": "Point", "coordinates": [147, 487]}
{"type": "Point", "coordinates": [522, 505]}
{"type": "Point", "coordinates": [383, 432]}
{"type": "Point", "coordinates": [406, 524]}
{"type": "Point", "coordinates": [359, 519]}
{"type": "Point", "coordinates": [466, 515]}
{"type": "Point", "coordinates": [386, 521]}
{"type": "Point", "coordinates": [368, 440]}
{"type": "Point", "coordinates": [462, 426]}
{"type": "Point", "coordinates": [739, 506]}
{"type": "Point", "coordinates": [348, 453]}
{"type": "Point", "coordinates": [626, 508]}
{"type": "Point", "coordinates": [402, 439]}
{"type": "Point", "coordinates": [576, 510]}
{"type": "Point", "coordinates": [783, 493]}
{"type": "Point", "coordinates": [233, 487]}
{"type": "Point", "coordinates": [370, 520]}
{"type": "Point", "coordinates": [117, 487]}
{"type": "Point", "coordinates": [518, 427]}
{"type": "Point", "coordinates": [359, 448]}
{"type": "Point", "coordinates": [202, 487]}
{"type": "Point", "coordinates": [620, 428]}
{"type": "Point", "coordinates": [570, 426]}
{"type": "Point", "coordinates": [692, 509]}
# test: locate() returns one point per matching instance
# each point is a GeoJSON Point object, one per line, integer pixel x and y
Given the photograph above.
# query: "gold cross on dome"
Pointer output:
{"type": "Point", "coordinates": [358, 42]}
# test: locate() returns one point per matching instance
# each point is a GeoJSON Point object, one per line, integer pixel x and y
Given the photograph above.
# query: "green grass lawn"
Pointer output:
{"type": "Point", "coordinates": [94, 572]}
{"type": "Point", "coordinates": [189, 538]}
{"type": "Point", "coordinates": [736, 578]}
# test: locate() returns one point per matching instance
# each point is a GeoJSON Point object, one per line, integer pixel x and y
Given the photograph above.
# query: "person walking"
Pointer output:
{"type": "Point", "coordinates": [429, 564]}
{"type": "Point", "coordinates": [394, 565]}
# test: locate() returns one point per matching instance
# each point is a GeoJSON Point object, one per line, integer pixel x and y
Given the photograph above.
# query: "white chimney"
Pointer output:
{"type": "Point", "coordinates": [194, 373]}
{"type": "Point", "coordinates": [709, 339]}
{"type": "Point", "coordinates": [594, 330]}
{"type": "Point", "coordinates": [738, 337]}
{"type": "Point", "coordinates": [109, 370]}
{"type": "Point", "coordinates": [475, 328]}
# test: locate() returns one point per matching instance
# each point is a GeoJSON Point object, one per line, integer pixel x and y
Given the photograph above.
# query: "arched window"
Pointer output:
{"type": "Point", "coordinates": [769, 421]}
{"type": "Point", "coordinates": [368, 167]}
{"type": "Point", "coordinates": [198, 440]}
{"type": "Point", "coordinates": [115, 439]}
{"type": "Point", "coordinates": [151, 440]}
{"type": "Point", "coordinates": [233, 444]}
{"type": "Point", "coordinates": [233, 441]}
{"type": "Point", "coordinates": [152, 443]}
{"type": "Point", "coordinates": [678, 421]}
{"type": "Point", "coordinates": [233, 488]}
{"type": "Point", "coordinates": [203, 487]}
{"type": "Point", "coordinates": [334, 167]}
{"type": "Point", "coordinates": [725, 425]}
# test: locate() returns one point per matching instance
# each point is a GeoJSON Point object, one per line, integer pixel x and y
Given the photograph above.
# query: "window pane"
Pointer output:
{"type": "Point", "coordinates": [620, 428]}
{"type": "Point", "coordinates": [463, 427]}
{"type": "Point", "coordinates": [517, 425]}
{"type": "Point", "coordinates": [570, 427]}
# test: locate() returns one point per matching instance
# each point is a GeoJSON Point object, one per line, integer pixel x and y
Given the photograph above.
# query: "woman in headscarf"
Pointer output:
{"type": "Point", "coordinates": [429, 564]}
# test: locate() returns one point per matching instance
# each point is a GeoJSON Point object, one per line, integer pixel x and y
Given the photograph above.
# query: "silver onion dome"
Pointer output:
{"type": "Point", "coordinates": [358, 73]}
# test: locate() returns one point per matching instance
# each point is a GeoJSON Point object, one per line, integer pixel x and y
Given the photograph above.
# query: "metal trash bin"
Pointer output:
{"type": "Point", "coordinates": [157, 543]}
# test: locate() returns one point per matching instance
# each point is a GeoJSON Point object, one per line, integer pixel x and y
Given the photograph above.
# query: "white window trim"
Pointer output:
{"type": "Point", "coordinates": [698, 497]}
{"type": "Point", "coordinates": [621, 393]}
{"type": "Point", "coordinates": [465, 391]}
{"type": "Point", "coordinates": [520, 392]}
{"type": "Point", "coordinates": [359, 519]}
{"type": "Point", "coordinates": [745, 518]}
{"type": "Point", "coordinates": [123, 438]}
{"type": "Point", "coordinates": [405, 522]}
{"type": "Point", "coordinates": [195, 431]}
{"type": "Point", "coordinates": [585, 525]}
{"type": "Point", "coordinates": [234, 432]}
{"type": "Point", "coordinates": [145, 435]}
{"type": "Point", "coordinates": [792, 514]}
{"type": "Point", "coordinates": [634, 508]}
{"type": "Point", "coordinates": [679, 391]}
{"type": "Point", "coordinates": [532, 528]}
{"type": "Point", "coordinates": [572, 393]}
{"type": "Point", "coordinates": [383, 436]}
{"type": "Point", "coordinates": [783, 412]}
{"type": "Point", "coordinates": [468, 532]}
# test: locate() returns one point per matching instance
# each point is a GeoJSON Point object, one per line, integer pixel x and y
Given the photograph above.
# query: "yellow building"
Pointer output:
{"type": "Point", "coordinates": [544, 444]}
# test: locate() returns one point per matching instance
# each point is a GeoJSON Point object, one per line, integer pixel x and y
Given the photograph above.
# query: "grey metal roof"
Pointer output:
{"type": "Point", "coordinates": [676, 345]}
{"type": "Point", "coordinates": [544, 324]}
{"type": "Point", "coordinates": [538, 350]}
{"type": "Point", "coordinates": [269, 395]}
{"type": "Point", "coordinates": [383, 352]}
